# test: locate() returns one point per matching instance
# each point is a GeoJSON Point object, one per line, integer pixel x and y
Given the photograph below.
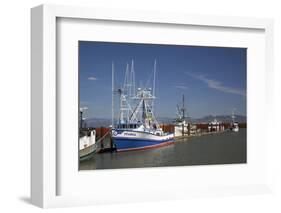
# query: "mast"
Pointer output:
{"type": "Point", "coordinates": [125, 99]}
{"type": "Point", "coordinates": [154, 79]}
{"type": "Point", "coordinates": [82, 109]}
{"type": "Point", "coordinates": [112, 98]}
{"type": "Point", "coordinates": [183, 108]}
{"type": "Point", "coordinates": [143, 111]}
{"type": "Point", "coordinates": [126, 93]}
{"type": "Point", "coordinates": [81, 118]}
{"type": "Point", "coordinates": [132, 80]}
{"type": "Point", "coordinates": [183, 114]}
{"type": "Point", "coordinates": [142, 99]}
{"type": "Point", "coordinates": [233, 116]}
{"type": "Point", "coordinates": [126, 80]}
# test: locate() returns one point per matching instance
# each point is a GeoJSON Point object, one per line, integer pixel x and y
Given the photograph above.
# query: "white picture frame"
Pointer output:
{"type": "Point", "coordinates": [44, 153]}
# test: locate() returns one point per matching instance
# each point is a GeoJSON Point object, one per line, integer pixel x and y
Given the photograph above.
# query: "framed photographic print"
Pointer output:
{"type": "Point", "coordinates": [201, 127]}
{"type": "Point", "coordinates": [150, 106]}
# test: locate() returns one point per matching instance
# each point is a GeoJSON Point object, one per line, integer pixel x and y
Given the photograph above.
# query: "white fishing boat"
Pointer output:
{"type": "Point", "coordinates": [87, 144]}
{"type": "Point", "coordinates": [215, 126]}
{"type": "Point", "coordinates": [87, 139]}
{"type": "Point", "coordinates": [181, 126]}
{"type": "Point", "coordinates": [234, 126]}
{"type": "Point", "coordinates": [136, 127]}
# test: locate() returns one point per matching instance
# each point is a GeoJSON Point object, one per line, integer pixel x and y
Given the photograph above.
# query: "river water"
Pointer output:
{"type": "Point", "coordinates": [220, 148]}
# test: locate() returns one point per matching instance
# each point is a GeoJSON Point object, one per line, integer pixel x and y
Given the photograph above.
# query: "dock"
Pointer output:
{"type": "Point", "coordinates": [105, 144]}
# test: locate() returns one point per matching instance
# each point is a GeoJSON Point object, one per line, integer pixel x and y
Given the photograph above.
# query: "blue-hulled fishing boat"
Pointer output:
{"type": "Point", "coordinates": [136, 126]}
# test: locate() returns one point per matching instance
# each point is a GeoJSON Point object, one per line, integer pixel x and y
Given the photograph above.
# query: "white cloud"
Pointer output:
{"type": "Point", "coordinates": [183, 87]}
{"type": "Point", "coordinates": [92, 78]}
{"type": "Point", "coordinates": [214, 84]}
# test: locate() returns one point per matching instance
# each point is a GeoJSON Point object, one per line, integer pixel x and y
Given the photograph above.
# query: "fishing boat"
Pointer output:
{"type": "Point", "coordinates": [136, 127]}
{"type": "Point", "coordinates": [181, 126]}
{"type": "Point", "coordinates": [234, 126]}
{"type": "Point", "coordinates": [87, 144]}
{"type": "Point", "coordinates": [215, 126]}
{"type": "Point", "coordinates": [87, 140]}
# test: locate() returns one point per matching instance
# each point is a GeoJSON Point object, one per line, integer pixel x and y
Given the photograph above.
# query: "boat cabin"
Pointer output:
{"type": "Point", "coordinates": [128, 126]}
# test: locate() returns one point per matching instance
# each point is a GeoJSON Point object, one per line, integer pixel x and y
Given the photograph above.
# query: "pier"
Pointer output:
{"type": "Point", "coordinates": [105, 144]}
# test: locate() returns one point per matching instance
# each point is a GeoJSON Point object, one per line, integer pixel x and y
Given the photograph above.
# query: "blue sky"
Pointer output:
{"type": "Point", "coordinates": [213, 79]}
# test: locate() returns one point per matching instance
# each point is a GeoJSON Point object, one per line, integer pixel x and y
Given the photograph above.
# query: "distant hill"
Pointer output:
{"type": "Point", "coordinates": [97, 122]}
{"type": "Point", "coordinates": [221, 118]}
{"type": "Point", "coordinates": [105, 122]}
{"type": "Point", "coordinates": [208, 118]}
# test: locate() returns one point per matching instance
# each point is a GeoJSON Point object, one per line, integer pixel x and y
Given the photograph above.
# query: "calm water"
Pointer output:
{"type": "Point", "coordinates": [222, 148]}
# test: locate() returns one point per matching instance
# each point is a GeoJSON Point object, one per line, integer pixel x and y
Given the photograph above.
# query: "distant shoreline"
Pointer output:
{"type": "Point", "coordinates": [98, 122]}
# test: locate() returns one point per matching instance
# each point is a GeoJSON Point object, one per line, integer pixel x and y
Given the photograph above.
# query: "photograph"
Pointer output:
{"type": "Point", "coordinates": [160, 105]}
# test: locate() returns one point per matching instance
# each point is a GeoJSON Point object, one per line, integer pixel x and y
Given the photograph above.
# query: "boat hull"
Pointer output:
{"type": "Point", "coordinates": [88, 152]}
{"type": "Point", "coordinates": [128, 141]}
{"type": "Point", "coordinates": [178, 130]}
{"type": "Point", "coordinates": [87, 145]}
